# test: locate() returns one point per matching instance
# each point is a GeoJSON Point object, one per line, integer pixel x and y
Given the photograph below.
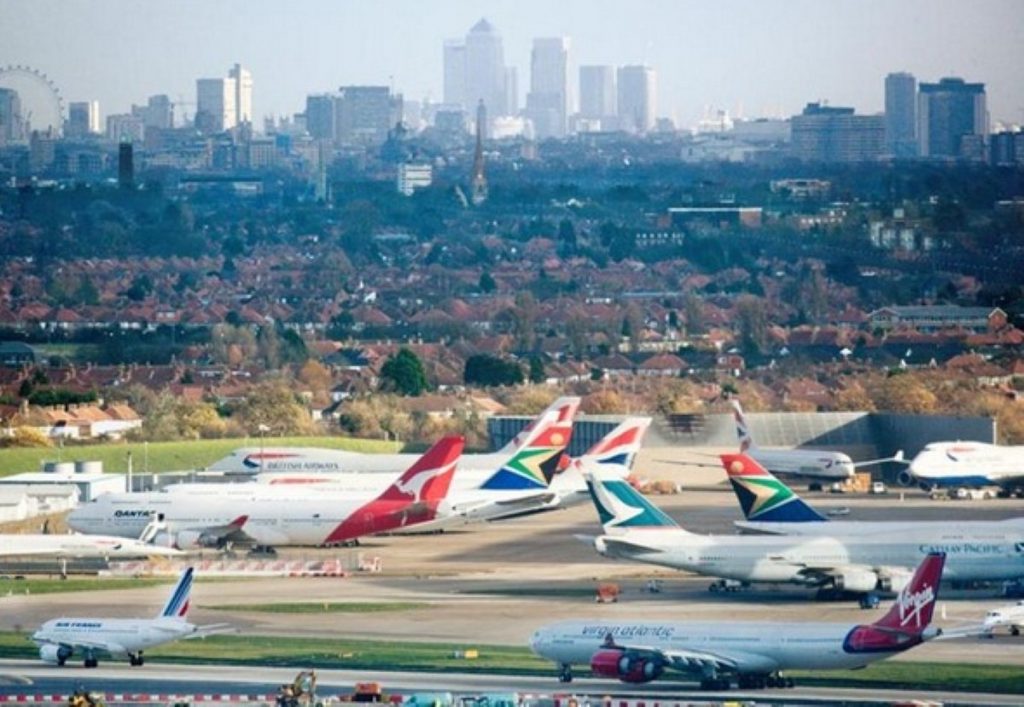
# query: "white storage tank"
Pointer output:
{"type": "Point", "coordinates": [89, 467]}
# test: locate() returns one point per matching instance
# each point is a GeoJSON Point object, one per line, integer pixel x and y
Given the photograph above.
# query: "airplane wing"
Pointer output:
{"type": "Point", "coordinates": [210, 630]}
{"type": "Point", "coordinates": [695, 660]}
{"type": "Point", "coordinates": [106, 646]}
{"type": "Point", "coordinates": [897, 457]}
{"type": "Point", "coordinates": [623, 547]}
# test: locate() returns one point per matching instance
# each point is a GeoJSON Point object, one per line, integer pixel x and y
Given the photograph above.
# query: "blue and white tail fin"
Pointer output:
{"type": "Point", "coordinates": [534, 464]}
{"type": "Point", "coordinates": [178, 603]}
{"type": "Point", "coordinates": [564, 407]}
{"type": "Point", "coordinates": [762, 496]}
{"type": "Point", "coordinates": [620, 446]}
{"type": "Point", "coordinates": [619, 505]}
{"type": "Point", "coordinates": [742, 428]}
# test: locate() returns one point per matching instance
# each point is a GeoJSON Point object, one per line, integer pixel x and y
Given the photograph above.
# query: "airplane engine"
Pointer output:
{"type": "Point", "coordinates": [905, 478]}
{"type": "Point", "coordinates": [614, 663]}
{"type": "Point", "coordinates": [894, 579]}
{"type": "Point", "coordinates": [184, 539]}
{"type": "Point", "coordinates": [856, 581]}
{"type": "Point", "coordinates": [54, 654]}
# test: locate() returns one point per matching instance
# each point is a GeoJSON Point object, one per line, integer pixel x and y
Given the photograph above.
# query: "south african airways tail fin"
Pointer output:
{"type": "Point", "coordinates": [534, 464]}
{"type": "Point", "coordinates": [762, 496]}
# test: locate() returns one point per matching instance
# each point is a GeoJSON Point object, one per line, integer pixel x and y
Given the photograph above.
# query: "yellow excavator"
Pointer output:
{"type": "Point", "coordinates": [301, 692]}
{"type": "Point", "coordinates": [83, 698]}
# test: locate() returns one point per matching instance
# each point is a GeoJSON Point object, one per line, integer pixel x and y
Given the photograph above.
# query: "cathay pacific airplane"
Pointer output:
{"type": "Point", "coordinates": [288, 515]}
{"type": "Point", "coordinates": [753, 654]}
{"type": "Point", "coordinates": [772, 507]}
{"type": "Point", "coordinates": [59, 639]}
{"type": "Point", "coordinates": [860, 563]}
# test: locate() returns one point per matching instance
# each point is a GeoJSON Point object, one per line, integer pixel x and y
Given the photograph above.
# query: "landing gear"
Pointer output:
{"type": "Point", "coordinates": [136, 659]}
{"type": "Point", "coordinates": [90, 660]}
{"type": "Point", "coordinates": [564, 673]}
{"type": "Point", "coordinates": [759, 681]}
{"type": "Point", "coordinates": [1014, 631]}
{"type": "Point", "coordinates": [714, 683]}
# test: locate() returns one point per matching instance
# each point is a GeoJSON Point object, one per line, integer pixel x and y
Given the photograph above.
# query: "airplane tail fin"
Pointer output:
{"type": "Point", "coordinates": [431, 476]}
{"type": "Point", "coordinates": [178, 603]}
{"type": "Point", "coordinates": [620, 446]}
{"type": "Point", "coordinates": [534, 464]}
{"type": "Point", "coordinates": [565, 408]}
{"type": "Point", "coordinates": [742, 428]}
{"type": "Point", "coordinates": [619, 505]}
{"type": "Point", "coordinates": [915, 604]}
{"type": "Point", "coordinates": [762, 496]}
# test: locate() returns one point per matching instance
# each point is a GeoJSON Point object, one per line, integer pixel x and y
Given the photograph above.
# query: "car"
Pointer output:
{"type": "Point", "coordinates": [878, 488]}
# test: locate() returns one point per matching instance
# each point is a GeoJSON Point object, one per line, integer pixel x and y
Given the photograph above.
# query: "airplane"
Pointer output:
{"type": "Point", "coordinates": [814, 464]}
{"type": "Point", "coordinates": [837, 565]}
{"type": "Point", "coordinates": [313, 460]}
{"type": "Point", "coordinates": [59, 639]}
{"type": "Point", "coordinates": [754, 654]}
{"type": "Point", "coordinates": [772, 507]}
{"type": "Point", "coordinates": [967, 465]}
{"type": "Point", "coordinates": [74, 545]}
{"type": "Point", "coordinates": [287, 515]}
{"type": "Point", "coordinates": [1010, 616]}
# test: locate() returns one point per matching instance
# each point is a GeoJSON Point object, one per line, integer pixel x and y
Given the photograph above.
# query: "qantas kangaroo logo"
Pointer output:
{"type": "Point", "coordinates": [414, 486]}
{"type": "Point", "coordinates": [911, 604]}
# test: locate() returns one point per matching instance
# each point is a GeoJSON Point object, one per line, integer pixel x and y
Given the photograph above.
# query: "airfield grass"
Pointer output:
{"type": "Point", "coordinates": [354, 653]}
{"type": "Point", "coordinates": [325, 607]}
{"type": "Point", "coordinates": [169, 456]}
{"type": "Point", "coordinates": [56, 585]}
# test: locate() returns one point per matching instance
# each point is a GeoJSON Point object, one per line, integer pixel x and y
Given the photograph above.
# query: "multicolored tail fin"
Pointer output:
{"type": "Point", "coordinates": [535, 463]}
{"type": "Point", "coordinates": [431, 476]}
{"type": "Point", "coordinates": [742, 428]}
{"type": "Point", "coordinates": [178, 603]}
{"type": "Point", "coordinates": [620, 446]}
{"type": "Point", "coordinates": [762, 496]}
{"type": "Point", "coordinates": [619, 505]}
{"type": "Point", "coordinates": [564, 407]}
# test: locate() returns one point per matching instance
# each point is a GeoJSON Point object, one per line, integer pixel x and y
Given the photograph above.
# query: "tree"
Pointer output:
{"type": "Point", "coordinates": [273, 404]}
{"type": "Point", "coordinates": [903, 393]}
{"type": "Point", "coordinates": [753, 324]}
{"type": "Point", "coordinates": [403, 373]}
{"type": "Point", "coordinates": [537, 370]}
{"type": "Point", "coordinates": [487, 284]}
{"type": "Point", "coordinates": [487, 370]}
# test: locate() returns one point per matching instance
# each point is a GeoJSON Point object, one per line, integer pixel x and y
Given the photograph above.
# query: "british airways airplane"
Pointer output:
{"type": "Point", "coordinates": [753, 654]}
{"type": "Point", "coordinates": [59, 639]}
{"type": "Point", "coordinates": [968, 465]}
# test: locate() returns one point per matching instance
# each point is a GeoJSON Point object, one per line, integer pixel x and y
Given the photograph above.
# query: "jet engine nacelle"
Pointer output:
{"type": "Point", "coordinates": [50, 653]}
{"type": "Point", "coordinates": [615, 663]}
{"type": "Point", "coordinates": [905, 478]}
{"type": "Point", "coordinates": [894, 579]}
{"type": "Point", "coordinates": [183, 539]}
{"type": "Point", "coordinates": [857, 581]}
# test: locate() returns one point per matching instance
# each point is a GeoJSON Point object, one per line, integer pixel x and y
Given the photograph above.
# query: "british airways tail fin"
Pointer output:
{"type": "Point", "coordinates": [431, 476]}
{"type": "Point", "coordinates": [619, 505]}
{"type": "Point", "coordinates": [762, 496]}
{"type": "Point", "coordinates": [620, 446]}
{"type": "Point", "coordinates": [534, 464]}
{"type": "Point", "coordinates": [565, 408]}
{"type": "Point", "coordinates": [178, 603]}
{"type": "Point", "coordinates": [742, 428]}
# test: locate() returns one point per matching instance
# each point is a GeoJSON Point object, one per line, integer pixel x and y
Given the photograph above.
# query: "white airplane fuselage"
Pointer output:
{"type": "Point", "coordinates": [968, 464]}
{"type": "Point", "coordinates": [820, 465]}
{"type": "Point", "coordinates": [758, 647]}
{"type": "Point", "coordinates": [1010, 616]}
{"type": "Point", "coordinates": [847, 528]}
{"type": "Point", "coordinates": [78, 546]}
{"type": "Point", "coordinates": [131, 635]}
{"type": "Point", "coordinates": [787, 559]}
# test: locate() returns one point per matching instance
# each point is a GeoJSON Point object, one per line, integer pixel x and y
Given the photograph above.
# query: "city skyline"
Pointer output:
{"type": "Point", "coordinates": [752, 58]}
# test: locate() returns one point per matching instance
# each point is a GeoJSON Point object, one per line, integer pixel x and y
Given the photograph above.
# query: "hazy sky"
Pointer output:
{"type": "Point", "coordinates": [760, 56]}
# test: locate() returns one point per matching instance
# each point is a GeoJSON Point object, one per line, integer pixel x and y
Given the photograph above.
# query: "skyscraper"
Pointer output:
{"type": "Point", "coordinates": [366, 113]}
{"type": "Point", "coordinates": [455, 73]}
{"type": "Point", "coordinates": [215, 105]}
{"type": "Point", "coordinates": [833, 134]}
{"type": "Point", "coordinates": [83, 119]}
{"type": "Point", "coordinates": [243, 93]}
{"type": "Point", "coordinates": [320, 116]}
{"type": "Point", "coordinates": [10, 116]}
{"type": "Point", "coordinates": [952, 119]}
{"type": "Point", "coordinates": [549, 78]}
{"type": "Point", "coordinates": [637, 98]}
{"type": "Point", "coordinates": [901, 115]}
{"type": "Point", "coordinates": [597, 93]}
{"type": "Point", "coordinates": [485, 69]}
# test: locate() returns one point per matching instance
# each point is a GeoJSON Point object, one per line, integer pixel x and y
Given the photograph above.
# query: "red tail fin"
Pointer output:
{"type": "Point", "coordinates": [916, 603]}
{"type": "Point", "coordinates": [743, 465]}
{"type": "Point", "coordinates": [429, 478]}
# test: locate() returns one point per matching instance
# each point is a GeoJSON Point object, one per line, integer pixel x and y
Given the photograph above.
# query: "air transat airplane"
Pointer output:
{"type": "Point", "coordinates": [78, 546]}
{"type": "Point", "coordinates": [967, 465]}
{"type": "Point", "coordinates": [302, 461]}
{"type": "Point", "coordinates": [772, 507]}
{"type": "Point", "coordinates": [288, 515]}
{"type": "Point", "coordinates": [1010, 616]}
{"type": "Point", "coordinates": [59, 639]}
{"type": "Point", "coordinates": [860, 563]}
{"type": "Point", "coordinates": [754, 654]}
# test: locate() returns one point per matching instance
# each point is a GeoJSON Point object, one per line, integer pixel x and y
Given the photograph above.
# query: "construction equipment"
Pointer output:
{"type": "Point", "coordinates": [366, 692]}
{"type": "Point", "coordinates": [301, 692]}
{"type": "Point", "coordinates": [83, 698]}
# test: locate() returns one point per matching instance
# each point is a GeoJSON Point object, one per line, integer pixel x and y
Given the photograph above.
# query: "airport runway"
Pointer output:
{"type": "Point", "coordinates": [24, 677]}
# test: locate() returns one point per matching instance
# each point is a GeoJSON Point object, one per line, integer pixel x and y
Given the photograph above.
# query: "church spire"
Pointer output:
{"type": "Point", "coordinates": [479, 180]}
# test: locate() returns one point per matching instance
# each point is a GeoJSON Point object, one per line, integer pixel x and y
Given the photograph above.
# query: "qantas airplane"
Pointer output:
{"type": "Point", "coordinates": [308, 461]}
{"type": "Point", "coordinates": [754, 654]}
{"type": "Point", "coordinates": [967, 465]}
{"type": "Point", "coordinates": [59, 639]}
{"type": "Point", "coordinates": [288, 515]}
{"type": "Point", "coordinates": [771, 507]}
{"type": "Point", "coordinates": [859, 563]}
{"type": "Point", "coordinates": [78, 546]}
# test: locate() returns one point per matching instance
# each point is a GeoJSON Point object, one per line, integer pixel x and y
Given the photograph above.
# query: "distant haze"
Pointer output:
{"type": "Point", "coordinates": [760, 57]}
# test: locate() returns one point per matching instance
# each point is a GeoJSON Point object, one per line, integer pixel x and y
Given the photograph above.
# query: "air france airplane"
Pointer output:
{"type": "Point", "coordinates": [754, 654]}
{"type": "Point", "coordinates": [289, 516]}
{"type": "Point", "coordinates": [859, 563]}
{"type": "Point", "coordinates": [59, 639]}
{"type": "Point", "coordinates": [771, 507]}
